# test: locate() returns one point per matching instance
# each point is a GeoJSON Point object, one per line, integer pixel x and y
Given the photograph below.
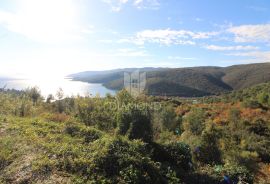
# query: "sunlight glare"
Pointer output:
{"type": "Point", "coordinates": [46, 20]}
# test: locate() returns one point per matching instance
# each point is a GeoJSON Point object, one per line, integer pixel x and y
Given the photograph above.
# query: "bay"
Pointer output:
{"type": "Point", "coordinates": [52, 86]}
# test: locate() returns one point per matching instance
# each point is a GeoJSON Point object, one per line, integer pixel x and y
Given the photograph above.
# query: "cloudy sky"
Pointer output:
{"type": "Point", "coordinates": [57, 37]}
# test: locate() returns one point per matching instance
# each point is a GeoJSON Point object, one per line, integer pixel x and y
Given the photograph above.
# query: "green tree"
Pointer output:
{"type": "Point", "coordinates": [169, 118]}
{"type": "Point", "coordinates": [34, 93]}
{"type": "Point", "coordinates": [50, 98]}
{"type": "Point", "coordinates": [123, 97]}
{"type": "Point", "coordinates": [60, 103]}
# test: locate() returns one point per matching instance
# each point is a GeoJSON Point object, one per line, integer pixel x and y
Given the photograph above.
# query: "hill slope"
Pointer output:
{"type": "Point", "coordinates": [186, 82]}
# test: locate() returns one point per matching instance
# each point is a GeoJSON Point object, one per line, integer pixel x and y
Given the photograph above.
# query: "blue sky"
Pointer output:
{"type": "Point", "coordinates": [58, 37]}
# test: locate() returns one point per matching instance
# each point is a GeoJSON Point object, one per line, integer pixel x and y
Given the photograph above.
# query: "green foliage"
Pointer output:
{"type": "Point", "coordinates": [209, 152]}
{"type": "Point", "coordinates": [264, 98]}
{"type": "Point", "coordinates": [194, 122]}
{"type": "Point", "coordinates": [178, 154]}
{"type": "Point", "coordinates": [251, 104]}
{"type": "Point", "coordinates": [258, 93]}
{"type": "Point", "coordinates": [24, 108]}
{"type": "Point", "coordinates": [123, 97]}
{"type": "Point", "coordinates": [34, 93]}
{"type": "Point", "coordinates": [110, 139]}
{"type": "Point", "coordinates": [169, 119]}
{"type": "Point", "coordinates": [96, 112]}
{"type": "Point", "coordinates": [260, 127]}
{"type": "Point", "coordinates": [135, 123]}
{"type": "Point", "coordinates": [234, 117]}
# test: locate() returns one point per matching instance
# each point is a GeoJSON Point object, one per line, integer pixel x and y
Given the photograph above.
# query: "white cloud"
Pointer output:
{"type": "Point", "coordinates": [168, 37]}
{"type": "Point", "coordinates": [198, 19]}
{"type": "Point", "coordinates": [230, 48]}
{"type": "Point", "coordinates": [146, 4]}
{"type": "Point", "coordinates": [257, 56]}
{"type": "Point", "coordinates": [117, 5]}
{"type": "Point", "coordinates": [251, 33]}
{"type": "Point", "coordinates": [47, 21]}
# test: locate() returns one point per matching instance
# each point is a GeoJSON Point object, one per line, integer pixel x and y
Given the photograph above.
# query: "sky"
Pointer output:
{"type": "Point", "coordinates": [49, 38]}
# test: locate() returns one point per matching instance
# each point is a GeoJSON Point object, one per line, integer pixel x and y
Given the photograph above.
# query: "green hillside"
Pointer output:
{"type": "Point", "coordinates": [186, 82]}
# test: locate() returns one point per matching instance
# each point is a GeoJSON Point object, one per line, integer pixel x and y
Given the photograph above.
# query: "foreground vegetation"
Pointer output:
{"type": "Point", "coordinates": [120, 139]}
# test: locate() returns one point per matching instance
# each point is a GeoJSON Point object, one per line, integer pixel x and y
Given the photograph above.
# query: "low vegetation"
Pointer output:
{"type": "Point", "coordinates": [121, 139]}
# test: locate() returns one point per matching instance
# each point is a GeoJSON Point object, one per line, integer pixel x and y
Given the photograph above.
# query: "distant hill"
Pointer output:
{"type": "Point", "coordinates": [185, 82]}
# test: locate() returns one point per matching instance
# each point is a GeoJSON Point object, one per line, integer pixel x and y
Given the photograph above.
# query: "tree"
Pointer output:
{"type": "Point", "coordinates": [60, 94]}
{"type": "Point", "coordinates": [50, 98]}
{"type": "Point", "coordinates": [169, 118]}
{"type": "Point", "coordinates": [35, 94]}
{"type": "Point", "coordinates": [60, 102]}
{"type": "Point", "coordinates": [123, 97]}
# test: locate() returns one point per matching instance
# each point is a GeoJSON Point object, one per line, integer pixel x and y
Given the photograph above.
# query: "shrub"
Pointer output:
{"type": "Point", "coordinates": [96, 112]}
{"type": "Point", "coordinates": [179, 154]}
{"type": "Point", "coordinates": [135, 123]}
{"type": "Point", "coordinates": [264, 98]}
{"type": "Point", "coordinates": [259, 127]}
{"type": "Point", "coordinates": [72, 130]}
{"type": "Point", "coordinates": [195, 121]}
{"type": "Point", "coordinates": [169, 119]}
{"type": "Point", "coordinates": [88, 133]}
{"type": "Point", "coordinates": [91, 134]}
{"type": "Point", "coordinates": [234, 118]}
{"type": "Point", "coordinates": [251, 104]}
{"type": "Point", "coordinates": [209, 152]}
{"type": "Point", "coordinates": [58, 117]}
{"type": "Point", "coordinates": [176, 154]}
{"type": "Point", "coordinates": [125, 162]}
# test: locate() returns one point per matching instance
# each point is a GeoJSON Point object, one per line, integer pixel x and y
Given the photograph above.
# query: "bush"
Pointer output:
{"type": "Point", "coordinates": [72, 130]}
{"type": "Point", "coordinates": [235, 172]}
{"type": "Point", "coordinates": [179, 154]}
{"type": "Point", "coordinates": [125, 162]}
{"type": "Point", "coordinates": [176, 154]}
{"type": "Point", "coordinates": [91, 134]}
{"type": "Point", "coordinates": [259, 127]}
{"type": "Point", "coordinates": [135, 123]}
{"type": "Point", "coordinates": [209, 152]}
{"type": "Point", "coordinates": [195, 121]}
{"type": "Point", "coordinates": [169, 119]}
{"type": "Point", "coordinates": [252, 104]}
{"type": "Point", "coordinates": [96, 112]}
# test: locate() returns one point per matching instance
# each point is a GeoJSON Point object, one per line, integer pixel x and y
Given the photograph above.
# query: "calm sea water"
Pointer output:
{"type": "Point", "coordinates": [52, 86]}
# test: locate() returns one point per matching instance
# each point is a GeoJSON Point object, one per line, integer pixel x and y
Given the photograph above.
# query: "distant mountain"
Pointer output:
{"type": "Point", "coordinates": [185, 82]}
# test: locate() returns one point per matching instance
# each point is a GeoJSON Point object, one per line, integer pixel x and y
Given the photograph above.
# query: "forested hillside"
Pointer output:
{"type": "Point", "coordinates": [121, 139]}
{"type": "Point", "coordinates": [187, 82]}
